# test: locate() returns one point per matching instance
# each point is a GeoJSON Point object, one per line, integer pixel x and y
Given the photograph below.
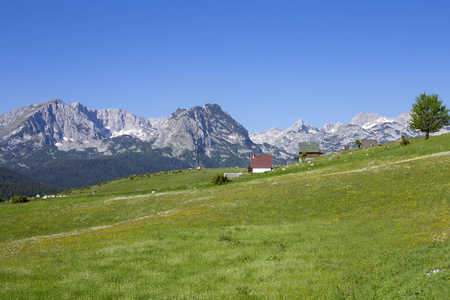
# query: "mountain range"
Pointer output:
{"type": "Point", "coordinates": [333, 137]}
{"type": "Point", "coordinates": [70, 145]}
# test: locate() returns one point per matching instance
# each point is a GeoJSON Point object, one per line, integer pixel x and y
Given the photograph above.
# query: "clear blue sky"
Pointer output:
{"type": "Point", "coordinates": [267, 63]}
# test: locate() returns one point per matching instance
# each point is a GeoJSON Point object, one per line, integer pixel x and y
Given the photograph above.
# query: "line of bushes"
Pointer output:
{"type": "Point", "coordinates": [16, 199]}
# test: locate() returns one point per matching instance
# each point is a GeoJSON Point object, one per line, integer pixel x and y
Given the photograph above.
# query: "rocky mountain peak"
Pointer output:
{"type": "Point", "coordinates": [330, 127]}
{"type": "Point", "coordinates": [209, 124]}
{"type": "Point", "coordinates": [301, 126]}
{"type": "Point", "coordinates": [177, 113]}
{"type": "Point", "coordinates": [214, 109]}
{"type": "Point", "coordinates": [298, 126]}
{"type": "Point", "coordinates": [363, 118]}
{"type": "Point", "coordinates": [404, 118]}
{"type": "Point", "coordinates": [73, 126]}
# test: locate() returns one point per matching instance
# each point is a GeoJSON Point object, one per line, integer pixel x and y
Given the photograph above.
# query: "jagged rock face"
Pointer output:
{"type": "Point", "coordinates": [58, 120]}
{"type": "Point", "coordinates": [300, 126]}
{"type": "Point", "coordinates": [209, 124]}
{"type": "Point", "coordinates": [157, 123]}
{"type": "Point", "coordinates": [73, 126]}
{"type": "Point", "coordinates": [363, 118]}
{"type": "Point", "coordinates": [119, 122]}
{"type": "Point", "coordinates": [49, 123]}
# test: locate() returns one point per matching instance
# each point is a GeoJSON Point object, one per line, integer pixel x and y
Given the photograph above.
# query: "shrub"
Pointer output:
{"type": "Point", "coordinates": [220, 179]}
{"type": "Point", "coordinates": [2, 200]}
{"type": "Point", "coordinates": [405, 141]}
{"type": "Point", "coordinates": [19, 199]}
{"type": "Point", "coordinates": [303, 156]}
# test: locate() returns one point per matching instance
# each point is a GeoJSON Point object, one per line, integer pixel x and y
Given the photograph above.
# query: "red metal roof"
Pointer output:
{"type": "Point", "coordinates": [261, 161]}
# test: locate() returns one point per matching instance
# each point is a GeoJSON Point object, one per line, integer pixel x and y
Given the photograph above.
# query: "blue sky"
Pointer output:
{"type": "Point", "coordinates": [267, 63]}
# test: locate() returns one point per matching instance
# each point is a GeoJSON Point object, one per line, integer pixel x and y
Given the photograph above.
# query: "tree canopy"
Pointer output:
{"type": "Point", "coordinates": [428, 114]}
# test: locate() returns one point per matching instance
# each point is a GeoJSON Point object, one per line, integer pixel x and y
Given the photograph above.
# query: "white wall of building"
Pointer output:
{"type": "Point", "coordinates": [261, 170]}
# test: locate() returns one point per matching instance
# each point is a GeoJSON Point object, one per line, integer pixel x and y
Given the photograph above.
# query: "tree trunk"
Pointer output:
{"type": "Point", "coordinates": [427, 135]}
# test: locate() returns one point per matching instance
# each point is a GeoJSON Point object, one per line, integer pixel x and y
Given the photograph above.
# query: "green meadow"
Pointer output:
{"type": "Point", "coordinates": [372, 223]}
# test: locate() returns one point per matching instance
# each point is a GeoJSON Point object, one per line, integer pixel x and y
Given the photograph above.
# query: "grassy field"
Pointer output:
{"type": "Point", "coordinates": [368, 224]}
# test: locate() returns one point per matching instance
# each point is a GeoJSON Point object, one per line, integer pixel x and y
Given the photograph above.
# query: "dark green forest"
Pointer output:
{"type": "Point", "coordinates": [13, 183]}
{"type": "Point", "coordinates": [72, 169]}
{"type": "Point", "coordinates": [69, 173]}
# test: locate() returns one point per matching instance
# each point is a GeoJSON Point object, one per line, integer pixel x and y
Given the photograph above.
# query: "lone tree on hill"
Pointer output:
{"type": "Point", "coordinates": [428, 114]}
{"type": "Point", "coordinates": [358, 143]}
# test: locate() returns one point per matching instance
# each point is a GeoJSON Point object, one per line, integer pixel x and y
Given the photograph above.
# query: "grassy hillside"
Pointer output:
{"type": "Point", "coordinates": [155, 182]}
{"type": "Point", "coordinates": [370, 223]}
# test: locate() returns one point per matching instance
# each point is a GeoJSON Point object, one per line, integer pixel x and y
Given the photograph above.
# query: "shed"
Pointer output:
{"type": "Point", "coordinates": [312, 150]}
{"type": "Point", "coordinates": [368, 143]}
{"type": "Point", "coordinates": [260, 163]}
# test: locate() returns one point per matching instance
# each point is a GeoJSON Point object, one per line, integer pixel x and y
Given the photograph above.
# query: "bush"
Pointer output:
{"type": "Point", "coordinates": [303, 156]}
{"type": "Point", "coordinates": [220, 179]}
{"type": "Point", "coordinates": [2, 200]}
{"type": "Point", "coordinates": [405, 141]}
{"type": "Point", "coordinates": [19, 199]}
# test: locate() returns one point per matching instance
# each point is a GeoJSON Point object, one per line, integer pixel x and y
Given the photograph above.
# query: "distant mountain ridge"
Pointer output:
{"type": "Point", "coordinates": [34, 138]}
{"type": "Point", "coordinates": [38, 138]}
{"type": "Point", "coordinates": [72, 126]}
{"type": "Point", "coordinates": [76, 127]}
{"type": "Point", "coordinates": [333, 137]}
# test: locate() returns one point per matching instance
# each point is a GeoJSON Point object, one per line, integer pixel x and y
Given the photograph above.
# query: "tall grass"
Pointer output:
{"type": "Point", "coordinates": [357, 226]}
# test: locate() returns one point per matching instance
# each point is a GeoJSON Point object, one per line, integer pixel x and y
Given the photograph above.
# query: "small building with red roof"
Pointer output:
{"type": "Point", "coordinates": [260, 163]}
